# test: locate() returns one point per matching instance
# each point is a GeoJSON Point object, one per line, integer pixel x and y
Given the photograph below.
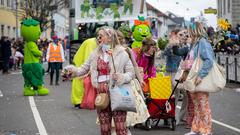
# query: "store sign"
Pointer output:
{"type": "Point", "coordinates": [107, 10]}
{"type": "Point", "coordinates": [210, 11]}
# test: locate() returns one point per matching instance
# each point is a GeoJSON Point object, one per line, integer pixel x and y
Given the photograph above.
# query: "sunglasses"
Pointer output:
{"type": "Point", "coordinates": [181, 35]}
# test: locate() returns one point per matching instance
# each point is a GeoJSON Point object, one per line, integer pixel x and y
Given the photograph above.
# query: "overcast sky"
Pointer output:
{"type": "Point", "coordinates": [187, 8]}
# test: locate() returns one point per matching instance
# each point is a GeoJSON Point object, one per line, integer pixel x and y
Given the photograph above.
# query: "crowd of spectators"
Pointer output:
{"type": "Point", "coordinates": [12, 52]}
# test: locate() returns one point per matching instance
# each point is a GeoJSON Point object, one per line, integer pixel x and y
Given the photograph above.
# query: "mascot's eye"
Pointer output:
{"type": "Point", "coordinates": [140, 29]}
{"type": "Point", "coordinates": [146, 30]}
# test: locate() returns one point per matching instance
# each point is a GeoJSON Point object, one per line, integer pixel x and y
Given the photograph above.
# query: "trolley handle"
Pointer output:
{"type": "Point", "coordinates": [174, 89]}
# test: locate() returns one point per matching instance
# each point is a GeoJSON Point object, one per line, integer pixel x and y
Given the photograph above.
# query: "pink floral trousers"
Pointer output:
{"type": "Point", "coordinates": [202, 121]}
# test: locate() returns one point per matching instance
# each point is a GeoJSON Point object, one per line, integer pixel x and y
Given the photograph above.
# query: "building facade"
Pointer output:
{"type": "Point", "coordinates": [9, 18]}
{"type": "Point", "coordinates": [62, 23]}
{"type": "Point", "coordinates": [61, 27]}
{"type": "Point", "coordinates": [230, 10]}
{"type": "Point", "coordinates": [164, 22]}
{"type": "Point", "coordinates": [159, 18]}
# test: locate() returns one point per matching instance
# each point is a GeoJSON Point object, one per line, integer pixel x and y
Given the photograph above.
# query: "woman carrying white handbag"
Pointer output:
{"type": "Point", "coordinates": [202, 49]}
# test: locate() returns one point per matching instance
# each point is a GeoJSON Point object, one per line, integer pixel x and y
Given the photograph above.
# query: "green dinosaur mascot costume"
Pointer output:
{"type": "Point", "coordinates": [128, 5]}
{"type": "Point", "coordinates": [79, 58]}
{"type": "Point", "coordinates": [32, 70]}
{"type": "Point", "coordinates": [140, 30]}
{"type": "Point", "coordinates": [85, 8]}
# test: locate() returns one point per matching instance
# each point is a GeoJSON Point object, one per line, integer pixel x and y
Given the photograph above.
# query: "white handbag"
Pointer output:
{"type": "Point", "coordinates": [122, 98]}
{"type": "Point", "coordinates": [213, 82]}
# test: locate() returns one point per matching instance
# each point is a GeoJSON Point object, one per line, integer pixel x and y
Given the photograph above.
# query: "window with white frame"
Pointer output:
{"type": "Point", "coordinates": [13, 4]}
{"type": "Point", "coordinates": [221, 7]}
{"type": "Point", "coordinates": [229, 6]}
{"type": "Point", "coordinates": [224, 7]}
{"type": "Point", "coordinates": [0, 33]}
{"type": "Point", "coordinates": [22, 3]}
{"type": "Point", "coordinates": [8, 3]}
{"type": "Point", "coordinates": [2, 30]}
{"type": "Point", "coordinates": [9, 31]}
{"type": "Point", "coordinates": [2, 2]}
{"type": "Point", "coordinates": [14, 31]}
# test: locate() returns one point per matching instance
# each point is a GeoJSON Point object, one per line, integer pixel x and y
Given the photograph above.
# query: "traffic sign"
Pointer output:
{"type": "Point", "coordinates": [210, 11]}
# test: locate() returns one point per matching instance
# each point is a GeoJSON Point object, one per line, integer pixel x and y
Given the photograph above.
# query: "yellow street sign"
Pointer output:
{"type": "Point", "coordinates": [210, 11]}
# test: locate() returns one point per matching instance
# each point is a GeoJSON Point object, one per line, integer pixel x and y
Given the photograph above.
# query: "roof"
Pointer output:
{"type": "Point", "coordinates": [175, 18]}
{"type": "Point", "coordinates": [178, 20]}
{"type": "Point", "coordinates": [158, 12]}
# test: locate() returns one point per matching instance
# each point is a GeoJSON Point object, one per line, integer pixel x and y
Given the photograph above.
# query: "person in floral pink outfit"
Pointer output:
{"type": "Point", "coordinates": [103, 75]}
{"type": "Point", "coordinates": [145, 59]}
{"type": "Point", "coordinates": [202, 120]}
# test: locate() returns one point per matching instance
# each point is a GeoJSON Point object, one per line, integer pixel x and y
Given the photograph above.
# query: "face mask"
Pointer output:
{"type": "Point", "coordinates": [106, 47]}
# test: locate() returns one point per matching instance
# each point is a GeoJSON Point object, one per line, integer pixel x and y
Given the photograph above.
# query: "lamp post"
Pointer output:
{"type": "Point", "coordinates": [16, 18]}
{"type": "Point", "coordinates": [52, 25]}
{"type": "Point", "coordinates": [142, 7]}
{"type": "Point", "coordinates": [26, 2]}
{"type": "Point", "coordinates": [53, 8]}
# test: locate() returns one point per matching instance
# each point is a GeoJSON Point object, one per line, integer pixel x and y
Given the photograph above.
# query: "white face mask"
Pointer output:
{"type": "Point", "coordinates": [106, 47]}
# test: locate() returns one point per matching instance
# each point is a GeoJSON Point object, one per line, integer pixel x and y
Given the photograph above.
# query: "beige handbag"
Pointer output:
{"type": "Point", "coordinates": [102, 101]}
{"type": "Point", "coordinates": [213, 82]}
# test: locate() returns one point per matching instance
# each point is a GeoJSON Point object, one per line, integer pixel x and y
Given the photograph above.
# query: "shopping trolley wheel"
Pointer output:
{"type": "Point", "coordinates": [148, 124]}
{"type": "Point", "coordinates": [180, 97]}
{"type": "Point", "coordinates": [173, 124]}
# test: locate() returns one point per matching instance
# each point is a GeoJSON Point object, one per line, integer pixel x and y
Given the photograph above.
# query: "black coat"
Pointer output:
{"type": "Point", "coordinates": [6, 49]}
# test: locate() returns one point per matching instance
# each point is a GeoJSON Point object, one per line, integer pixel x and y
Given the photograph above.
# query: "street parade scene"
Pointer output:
{"type": "Point", "coordinates": [119, 67]}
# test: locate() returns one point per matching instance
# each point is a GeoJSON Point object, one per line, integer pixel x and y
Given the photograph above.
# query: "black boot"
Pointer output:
{"type": "Point", "coordinates": [57, 77]}
{"type": "Point", "coordinates": [51, 77]}
{"type": "Point", "coordinates": [57, 83]}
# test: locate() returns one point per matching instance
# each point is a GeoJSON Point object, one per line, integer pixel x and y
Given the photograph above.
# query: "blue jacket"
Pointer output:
{"type": "Point", "coordinates": [206, 54]}
{"type": "Point", "coordinates": [172, 60]}
{"type": "Point", "coordinates": [183, 51]}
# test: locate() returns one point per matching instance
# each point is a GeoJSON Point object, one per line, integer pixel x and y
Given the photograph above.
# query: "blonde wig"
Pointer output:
{"type": "Point", "coordinates": [121, 38]}
{"type": "Point", "coordinates": [111, 34]}
{"type": "Point", "coordinates": [196, 31]}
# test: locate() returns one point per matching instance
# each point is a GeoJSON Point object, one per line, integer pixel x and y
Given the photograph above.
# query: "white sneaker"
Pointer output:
{"type": "Point", "coordinates": [191, 133]}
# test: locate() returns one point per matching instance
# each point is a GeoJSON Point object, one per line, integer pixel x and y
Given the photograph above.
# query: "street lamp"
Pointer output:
{"type": "Point", "coordinates": [26, 4]}
{"type": "Point", "coordinates": [16, 18]}
{"type": "Point", "coordinates": [53, 8]}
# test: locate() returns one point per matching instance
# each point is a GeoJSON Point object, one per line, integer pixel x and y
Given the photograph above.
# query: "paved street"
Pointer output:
{"type": "Point", "coordinates": [54, 114]}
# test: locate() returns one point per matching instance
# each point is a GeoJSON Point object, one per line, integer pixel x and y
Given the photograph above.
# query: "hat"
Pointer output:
{"type": "Point", "coordinates": [54, 37]}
